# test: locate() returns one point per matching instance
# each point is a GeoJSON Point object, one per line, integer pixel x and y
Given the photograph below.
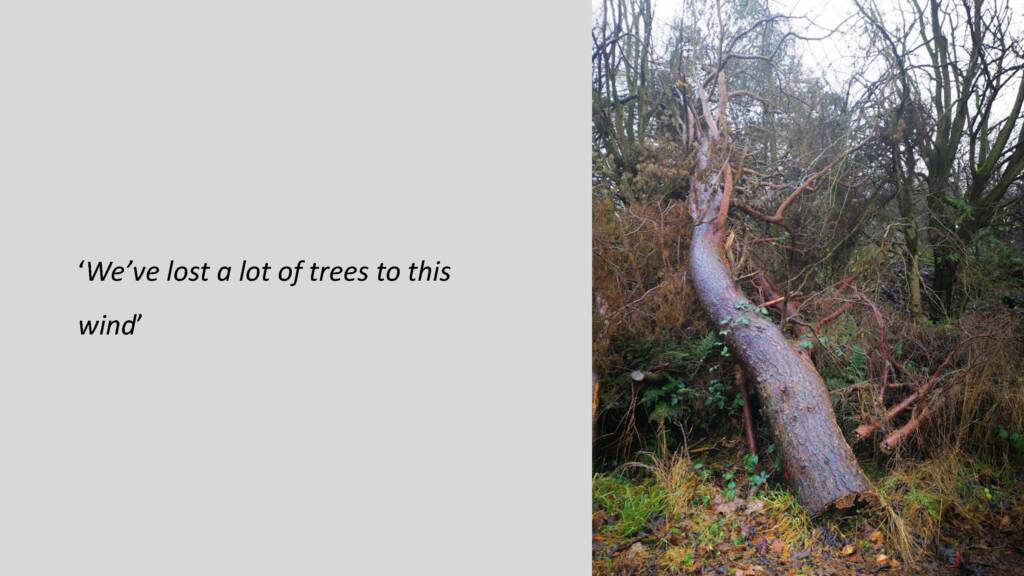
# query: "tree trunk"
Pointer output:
{"type": "Point", "coordinates": [914, 283]}
{"type": "Point", "coordinates": [944, 281]}
{"type": "Point", "coordinates": [818, 461]}
{"type": "Point", "coordinates": [904, 176]}
{"type": "Point", "coordinates": [944, 245]}
{"type": "Point", "coordinates": [816, 457]}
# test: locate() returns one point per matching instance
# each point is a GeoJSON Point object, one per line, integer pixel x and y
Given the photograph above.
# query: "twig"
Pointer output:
{"type": "Point", "coordinates": [748, 418]}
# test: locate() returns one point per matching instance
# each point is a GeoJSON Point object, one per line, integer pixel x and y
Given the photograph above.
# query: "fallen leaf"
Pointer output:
{"type": "Point", "coordinates": [778, 548]}
{"type": "Point", "coordinates": [882, 560]}
{"type": "Point", "coordinates": [761, 545]}
{"type": "Point", "coordinates": [727, 507]}
{"type": "Point", "coordinates": [633, 557]}
{"type": "Point", "coordinates": [796, 556]}
{"type": "Point", "coordinates": [597, 520]}
{"type": "Point", "coordinates": [751, 571]}
{"type": "Point", "coordinates": [876, 538]}
{"type": "Point", "coordinates": [847, 550]}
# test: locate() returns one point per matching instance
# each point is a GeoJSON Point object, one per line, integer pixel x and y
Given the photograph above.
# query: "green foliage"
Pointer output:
{"type": "Point", "coordinates": [687, 388]}
{"type": "Point", "coordinates": [924, 501]}
{"type": "Point", "coordinates": [745, 306]}
{"type": "Point", "coordinates": [750, 462]}
{"type": "Point", "coordinates": [847, 361]}
{"type": "Point", "coordinates": [629, 505]}
{"type": "Point", "coordinates": [759, 479]}
{"type": "Point", "coordinates": [695, 352]}
{"type": "Point", "coordinates": [754, 479]}
{"type": "Point", "coordinates": [857, 369]}
{"type": "Point", "coordinates": [668, 401]}
{"type": "Point", "coordinates": [1014, 439]}
{"type": "Point", "coordinates": [729, 482]}
{"type": "Point", "coordinates": [995, 270]}
{"type": "Point", "coordinates": [717, 394]}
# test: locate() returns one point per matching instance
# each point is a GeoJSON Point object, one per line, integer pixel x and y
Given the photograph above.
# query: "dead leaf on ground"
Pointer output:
{"type": "Point", "coordinates": [847, 550]}
{"type": "Point", "coordinates": [727, 507]}
{"type": "Point", "coordinates": [761, 545]}
{"type": "Point", "coordinates": [597, 520]}
{"type": "Point", "coordinates": [779, 548]}
{"type": "Point", "coordinates": [633, 557]}
{"type": "Point", "coordinates": [751, 571]}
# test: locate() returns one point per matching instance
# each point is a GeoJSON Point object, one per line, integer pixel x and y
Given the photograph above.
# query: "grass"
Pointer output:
{"type": "Point", "coordinates": [701, 513]}
{"type": "Point", "coordinates": [921, 499]}
{"type": "Point", "coordinates": [684, 517]}
{"type": "Point", "coordinates": [678, 559]}
{"type": "Point", "coordinates": [792, 525]}
{"type": "Point", "coordinates": [678, 480]}
{"type": "Point", "coordinates": [628, 506]}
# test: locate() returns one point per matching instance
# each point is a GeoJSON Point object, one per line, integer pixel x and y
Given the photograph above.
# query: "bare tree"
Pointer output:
{"type": "Point", "coordinates": [960, 70]}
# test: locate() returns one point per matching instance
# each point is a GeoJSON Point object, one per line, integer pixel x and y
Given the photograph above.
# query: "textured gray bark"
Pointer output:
{"type": "Point", "coordinates": [817, 459]}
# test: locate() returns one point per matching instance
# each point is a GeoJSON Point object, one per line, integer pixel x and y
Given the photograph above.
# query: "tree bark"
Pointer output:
{"type": "Point", "coordinates": [816, 457]}
{"type": "Point", "coordinates": [944, 280]}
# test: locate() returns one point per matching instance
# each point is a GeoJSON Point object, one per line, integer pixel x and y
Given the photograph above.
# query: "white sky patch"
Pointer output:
{"type": "Point", "coordinates": [837, 56]}
{"type": "Point", "coordinates": [833, 57]}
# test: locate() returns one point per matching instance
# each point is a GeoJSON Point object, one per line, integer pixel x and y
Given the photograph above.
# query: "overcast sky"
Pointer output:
{"type": "Point", "coordinates": [834, 57]}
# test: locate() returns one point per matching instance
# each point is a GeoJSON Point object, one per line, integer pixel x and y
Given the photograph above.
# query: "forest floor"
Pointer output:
{"type": "Point", "coordinates": [944, 516]}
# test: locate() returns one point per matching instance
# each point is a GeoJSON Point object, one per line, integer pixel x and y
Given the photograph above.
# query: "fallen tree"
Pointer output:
{"type": "Point", "coordinates": [816, 458]}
